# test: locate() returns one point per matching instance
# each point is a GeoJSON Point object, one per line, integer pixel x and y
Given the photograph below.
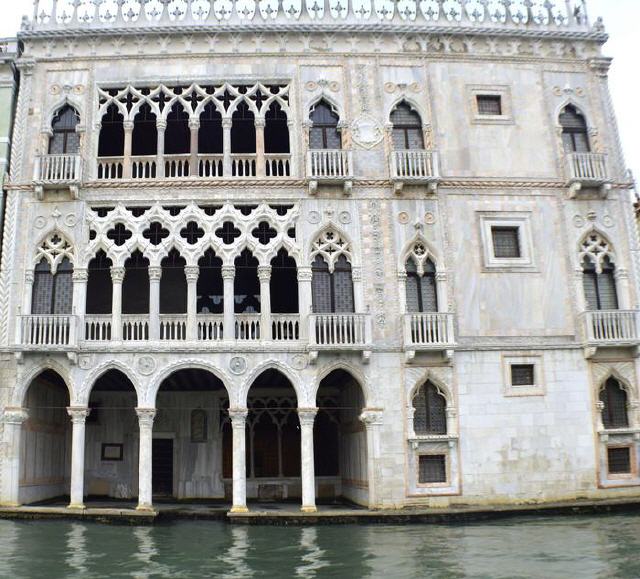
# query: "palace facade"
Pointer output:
{"type": "Point", "coordinates": [313, 250]}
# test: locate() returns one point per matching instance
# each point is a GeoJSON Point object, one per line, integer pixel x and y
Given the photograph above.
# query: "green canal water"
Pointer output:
{"type": "Point", "coordinates": [567, 548]}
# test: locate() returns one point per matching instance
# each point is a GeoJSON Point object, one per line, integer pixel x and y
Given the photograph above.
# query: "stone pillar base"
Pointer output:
{"type": "Point", "coordinates": [76, 506]}
{"type": "Point", "coordinates": [145, 508]}
{"type": "Point", "coordinates": [239, 509]}
{"type": "Point", "coordinates": [309, 509]}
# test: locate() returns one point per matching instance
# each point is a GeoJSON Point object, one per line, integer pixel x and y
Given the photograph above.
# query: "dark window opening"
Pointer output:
{"type": "Point", "coordinates": [210, 135]}
{"type": "Point", "coordinates": [243, 130]}
{"type": "Point", "coordinates": [177, 137]}
{"type": "Point", "coordinates": [430, 411]}
{"type": "Point", "coordinates": [284, 284]}
{"type": "Point", "coordinates": [65, 139]}
{"type": "Point", "coordinates": [522, 375]}
{"type": "Point", "coordinates": [99, 285]}
{"type": "Point", "coordinates": [144, 140]}
{"type": "Point", "coordinates": [506, 242]}
{"type": "Point", "coordinates": [135, 287]}
{"type": "Point", "coordinates": [192, 233]}
{"type": "Point", "coordinates": [173, 284]}
{"type": "Point", "coordinates": [599, 288]}
{"type": "Point", "coordinates": [264, 233]}
{"type": "Point", "coordinates": [619, 460]}
{"type": "Point", "coordinates": [276, 130]}
{"type": "Point", "coordinates": [422, 295]}
{"type": "Point", "coordinates": [407, 128]}
{"type": "Point", "coordinates": [119, 234]}
{"type": "Point", "coordinates": [324, 132]}
{"type": "Point", "coordinates": [228, 233]}
{"type": "Point", "coordinates": [575, 135]}
{"type": "Point", "coordinates": [155, 233]}
{"type": "Point", "coordinates": [489, 105]}
{"type": "Point", "coordinates": [332, 292]}
{"type": "Point", "coordinates": [210, 287]}
{"type": "Point", "coordinates": [246, 284]}
{"type": "Point", "coordinates": [52, 293]}
{"type": "Point", "coordinates": [111, 141]}
{"type": "Point", "coordinates": [614, 399]}
{"type": "Point", "coordinates": [432, 468]}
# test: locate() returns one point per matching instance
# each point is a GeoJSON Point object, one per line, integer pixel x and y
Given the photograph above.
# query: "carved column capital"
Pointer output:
{"type": "Point", "coordinates": [238, 417]}
{"type": "Point", "coordinates": [127, 125]}
{"type": "Point", "coordinates": [161, 125]}
{"type": "Point", "coordinates": [117, 274]}
{"type": "Point", "coordinates": [192, 273]}
{"type": "Point", "coordinates": [146, 417]}
{"type": "Point", "coordinates": [264, 273]}
{"type": "Point", "coordinates": [226, 123]}
{"type": "Point", "coordinates": [80, 275]}
{"type": "Point", "coordinates": [371, 417]}
{"type": "Point", "coordinates": [78, 414]}
{"type": "Point", "coordinates": [15, 415]}
{"type": "Point", "coordinates": [356, 274]}
{"type": "Point", "coordinates": [194, 124]}
{"type": "Point", "coordinates": [621, 273]}
{"type": "Point", "coordinates": [307, 416]}
{"type": "Point", "coordinates": [259, 123]}
{"type": "Point", "coordinates": [402, 276]}
{"type": "Point", "coordinates": [600, 66]}
{"type": "Point", "coordinates": [228, 272]}
{"type": "Point", "coordinates": [305, 274]}
{"type": "Point", "coordinates": [29, 276]}
{"type": "Point", "coordinates": [441, 276]}
{"type": "Point", "coordinates": [155, 273]}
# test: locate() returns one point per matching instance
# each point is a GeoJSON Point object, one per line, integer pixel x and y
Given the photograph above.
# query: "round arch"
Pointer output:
{"type": "Point", "coordinates": [287, 372]}
{"type": "Point", "coordinates": [100, 371]}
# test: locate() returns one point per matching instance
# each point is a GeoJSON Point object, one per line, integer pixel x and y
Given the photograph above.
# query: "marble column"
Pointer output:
{"type": "Point", "coordinates": [260, 158]}
{"type": "Point", "coordinates": [226, 147]}
{"type": "Point", "coordinates": [305, 300]}
{"type": "Point", "coordinates": [155, 275]}
{"type": "Point", "coordinates": [29, 277]}
{"type": "Point", "coordinates": [12, 419]}
{"type": "Point", "coordinates": [145, 463]}
{"type": "Point", "coordinates": [228, 277]}
{"type": "Point", "coordinates": [126, 162]}
{"type": "Point", "coordinates": [117, 277]}
{"type": "Point", "coordinates": [307, 418]}
{"type": "Point", "coordinates": [372, 419]}
{"type": "Point", "coordinates": [161, 125]}
{"type": "Point", "coordinates": [192, 272]}
{"type": "Point", "coordinates": [264, 275]}
{"type": "Point", "coordinates": [194, 127]}
{"type": "Point", "coordinates": [78, 418]}
{"type": "Point", "coordinates": [80, 280]}
{"type": "Point", "coordinates": [238, 426]}
{"type": "Point", "coordinates": [358, 292]}
{"type": "Point", "coordinates": [624, 293]}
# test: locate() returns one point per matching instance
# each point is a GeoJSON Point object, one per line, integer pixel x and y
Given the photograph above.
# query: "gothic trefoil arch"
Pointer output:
{"type": "Point", "coordinates": [54, 248]}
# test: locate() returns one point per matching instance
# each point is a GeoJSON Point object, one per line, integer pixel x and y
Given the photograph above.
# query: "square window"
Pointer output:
{"type": "Point", "coordinates": [432, 468]}
{"type": "Point", "coordinates": [522, 375]}
{"type": "Point", "coordinates": [619, 460]}
{"type": "Point", "coordinates": [489, 105]}
{"type": "Point", "coordinates": [506, 242]}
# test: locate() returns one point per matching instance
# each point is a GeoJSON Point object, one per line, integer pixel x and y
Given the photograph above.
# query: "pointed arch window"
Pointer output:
{"type": "Point", "coordinates": [430, 410]}
{"type": "Point", "coordinates": [575, 135]}
{"type": "Point", "coordinates": [598, 274]}
{"type": "Point", "coordinates": [324, 133]}
{"type": "Point", "coordinates": [65, 139]}
{"type": "Point", "coordinates": [614, 400]}
{"type": "Point", "coordinates": [52, 292]}
{"type": "Point", "coordinates": [407, 128]}
{"type": "Point", "coordinates": [332, 290]}
{"type": "Point", "coordinates": [422, 295]}
{"type": "Point", "coordinates": [111, 140]}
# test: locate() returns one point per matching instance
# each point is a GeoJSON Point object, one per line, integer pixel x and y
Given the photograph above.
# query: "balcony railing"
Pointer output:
{"type": "Point", "coordinates": [173, 327]}
{"type": "Point", "coordinates": [611, 327]}
{"type": "Point", "coordinates": [277, 165]}
{"type": "Point", "coordinates": [47, 330]}
{"type": "Point", "coordinates": [135, 327]}
{"type": "Point", "coordinates": [433, 330]}
{"type": "Point", "coordinates": [210, 327]}
{"type": "Point", "coordinates": [285, 327]}
{"type": "Point", "coordinates": [329, 165]}
{"type": "Point", "coordinates": [58, 169]}
{"type": "Point", "coordinates": [97, 328]}
{"type": "Point", "coordinates": [414, 167]}
{"type": "Point", "coordinates": [587, 170]}
{"type": "Point", "coordinates": [247, 327]}
{"type": "Point", "coordinates": [338, 331]}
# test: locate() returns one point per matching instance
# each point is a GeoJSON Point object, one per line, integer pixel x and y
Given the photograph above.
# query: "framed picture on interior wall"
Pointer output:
{"type": "Point", "coordinates": [111, 451]}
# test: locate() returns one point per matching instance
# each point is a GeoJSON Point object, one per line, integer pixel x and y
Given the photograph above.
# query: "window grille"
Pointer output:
{"type": "Point", "coordinates": [614, 398]}
{"type": "Point", "coordinates": [522, 375]}
{"type": "Point", "coordinates": [600, 288]}
{"type": "Point", "coordinates": [489, 105]}
{"type": "Point", "coordinates": [324, 132]}
{"type": "Point", "coordinates": [575, 136]}
{"type": "Point", "coordinates": [407, 128]}
{"type": "Point", "coordinates": [332, 292]}
{"type": "Point", "coordinates": [506, 242]}
{"type": "Point", "coordinates": [432, 469]}
{"type": "Point", "coordinates": [619, 460]}
{"type": "Point", "coordinates": [65, 139]}
{"type": "Point", "coordinates": [421, 289]}
{"type": "Point", "coordinates": [52, 293]}
{"type": "Point", "coordinates": [430, 411]}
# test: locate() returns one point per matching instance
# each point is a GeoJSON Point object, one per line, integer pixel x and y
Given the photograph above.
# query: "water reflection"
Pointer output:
{"type": "Point", "coordinates": [77, 548]}
{"type": "Point", "coordinates": [147, 554]}
{"type": "Point", "coordinates": [236, 555]}
{"type": "Point", "coordinates": [312, 554]}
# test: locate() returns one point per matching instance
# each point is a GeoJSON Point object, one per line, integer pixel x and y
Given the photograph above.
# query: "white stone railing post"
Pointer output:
{"type": "Point", "coordinates": [145, 465]}
{"type": "Point", "coordinates": [264, 275]}
{"type": "Point", "coordinates": [238, 427]}
{"type": "Point", "coordinates": [117, 277]}
{"type": "Point", "coordinates": [228, 277]}
{"type": "Point", "coordinates": [78, 419]}
{"type": "Point", "coordinates": [192, 272]}
{"type": "Point", "coordinates": [307, 418]}
{"type": "Point", "coordinates": [12, 419]}
{"type": "Point", "coordinates": [155, 275]}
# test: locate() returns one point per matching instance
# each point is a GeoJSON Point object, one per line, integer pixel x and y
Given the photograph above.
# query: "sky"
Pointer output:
{"type": "Point", "coordinates": [621, 18]}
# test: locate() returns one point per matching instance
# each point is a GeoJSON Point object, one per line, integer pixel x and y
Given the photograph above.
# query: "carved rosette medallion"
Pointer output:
{"type": "Point", "coordinates": [366, 131]}
{"type": "Point", "coordinates": [146, 365]}
{"type": "Point", "coordinates": [238, 365]}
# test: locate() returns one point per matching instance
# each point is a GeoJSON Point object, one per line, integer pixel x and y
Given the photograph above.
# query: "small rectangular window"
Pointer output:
{"type": "Point", "coordinates": [619, 460]}
{"type": "Point", "coordinates": [489, 105]}
{"type": "Point", "coordinates": [506, 242]}
{"type": "Point", "coordinates": [522, 375]}
{"type": "Point", "coordinates": [432, 469]}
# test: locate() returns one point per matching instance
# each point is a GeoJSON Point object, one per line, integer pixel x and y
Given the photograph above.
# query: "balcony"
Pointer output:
{"type": "Point", "coordinates": [340, 332]}
{"type": "Point", "coordinates": [428, 332]}
{"type": "Point", "coordinates": [610, 328]}
{"type": "Point", "coordinates": [57, 172]}
{"type": "Point", "coordinates": [588, 170]}
{"type": "Point", "coordinates": [414, 167]}
{"type": "Point", "coordinates": [330, 166]}
{"type": "Point", "coordinates": [55, 332]}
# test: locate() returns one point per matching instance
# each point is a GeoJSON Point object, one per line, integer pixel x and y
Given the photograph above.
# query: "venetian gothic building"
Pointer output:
{"type": "Point", "coordinates": [306, 250]}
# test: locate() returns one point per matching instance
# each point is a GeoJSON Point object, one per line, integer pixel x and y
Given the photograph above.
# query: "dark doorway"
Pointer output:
{"type": "Point", "coordinates": [162, 475]}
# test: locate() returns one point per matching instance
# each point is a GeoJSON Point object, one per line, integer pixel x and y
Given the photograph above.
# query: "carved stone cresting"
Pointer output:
{"type": "Point", "coordinates": [54, 249]}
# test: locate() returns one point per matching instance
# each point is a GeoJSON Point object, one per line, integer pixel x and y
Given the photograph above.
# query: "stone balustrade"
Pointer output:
{"type": "Point", "coordinates": [611, 327]}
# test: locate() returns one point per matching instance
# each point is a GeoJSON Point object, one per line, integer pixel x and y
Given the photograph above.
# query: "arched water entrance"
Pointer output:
{"type": "Point", "coordinates": [340, 440]}
{"type": "Point", "coordinates": [187, 451]}
{"type": "Point", "coordinates": [45, 454]}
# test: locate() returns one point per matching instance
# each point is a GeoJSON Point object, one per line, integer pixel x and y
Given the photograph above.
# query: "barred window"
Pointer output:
{"type": "Point", "coordinates": [65, 139]}
{"type": "Point", "coordinates": [614, 398]}
{"type": "Point", "coordinates": [430, 410]}
{"type": "Point", "coordinates": [421, 289]}
{"type": "Point", "coordinates": [599, 287]}
{"type": "Point", "coordinates": [332, 292]}
{"type": "Point", "coordinates": [575, 136]}
{"type": "Point", "coordinates": [506, 242]}
{"type": "Point", "coordinates": [619, 460]}
{"type": "Point", "coordinates": [522, 375]}
{"type": "Point", "coordinates": [432, 468]}
{"type": "Point", "coordinates": [490, 105]}
{"type": "Point", "coordinates": [407, 128]}
{"type": "Point", "coordinates": [52, 293]}
{"type": "Point", "coordinates": [324, 132]}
